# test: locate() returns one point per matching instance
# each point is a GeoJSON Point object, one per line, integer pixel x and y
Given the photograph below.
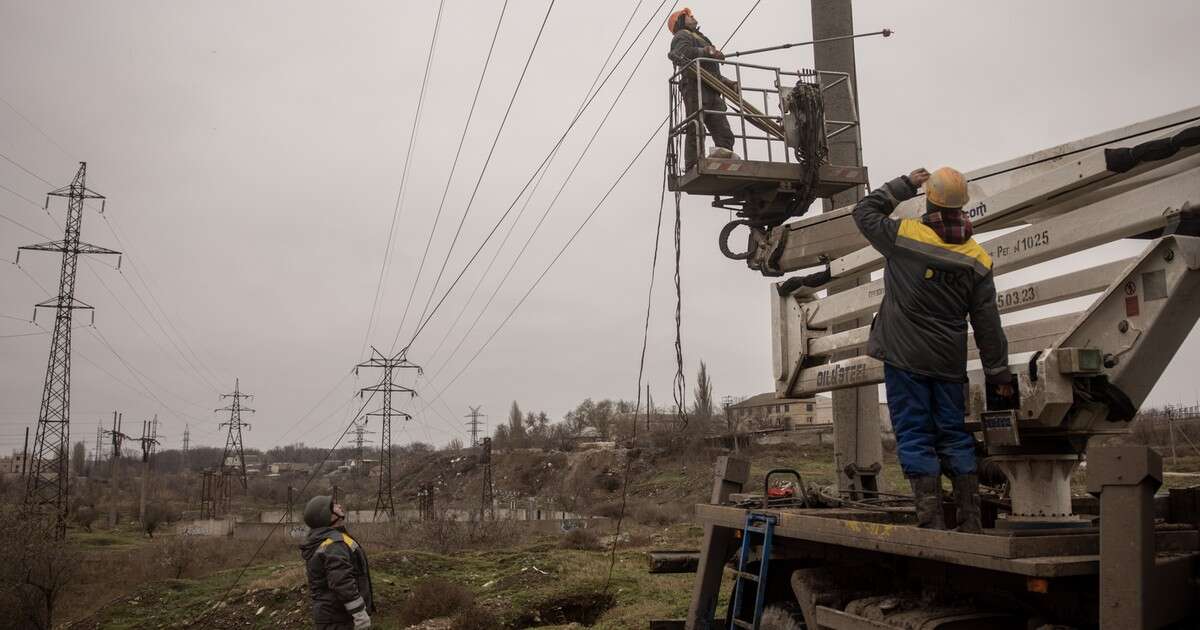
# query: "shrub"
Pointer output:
{"type": "Point", "coordinates": [474, 617]}
{"type": "Point", "coordinates": [654, 514]}
{"type": "Point", "coordinates": [84, 516]}
{"type": "Point", "coordinates": [611, 509]}
{"type": "Point", "coordinates": [581, 539]}
{"type": "Point", "coordinates": [434, 598]}
{"type": "Point", "coordinates": [179, 554]}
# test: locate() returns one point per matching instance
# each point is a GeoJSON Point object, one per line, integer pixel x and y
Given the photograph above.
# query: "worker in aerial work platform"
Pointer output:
{"type": "Point", "coordinates": [339, 578]}
{"type": "Point", "coordinates": [936, 277]}
{"type": "Point", "coordinates": [687, 45]}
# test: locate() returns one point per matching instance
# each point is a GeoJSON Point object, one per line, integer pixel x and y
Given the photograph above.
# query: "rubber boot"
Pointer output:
{"type": "Point", "coordinates": [966, 503]}
{"type": "Point", "coordinates": [927, 492]}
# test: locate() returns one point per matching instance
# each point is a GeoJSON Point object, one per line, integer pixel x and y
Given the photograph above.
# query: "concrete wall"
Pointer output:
{"type": "Point", "coordinates": [213, 527]}
{"type": "Point", "coordinates": [362, 531]}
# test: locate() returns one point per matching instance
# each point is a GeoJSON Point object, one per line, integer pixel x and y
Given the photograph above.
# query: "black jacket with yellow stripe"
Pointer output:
{"type": "Point", "coordinates": [931, 288]}
{"type": "Point", "coordinates": [339, 578]}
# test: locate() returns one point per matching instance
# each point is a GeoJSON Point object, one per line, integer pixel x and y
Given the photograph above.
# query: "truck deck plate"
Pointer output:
{"type": "Point", "coordinates": [1037, 556]}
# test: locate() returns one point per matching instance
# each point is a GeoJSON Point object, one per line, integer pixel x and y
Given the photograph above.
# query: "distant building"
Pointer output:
{"type": "Point", "coordinates": [765, 412]}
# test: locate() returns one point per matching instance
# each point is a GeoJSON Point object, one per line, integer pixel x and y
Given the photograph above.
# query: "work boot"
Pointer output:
{"type": "Point", "coordinates": [927, 494]}
{"type": "Point", "coordinates": [966, 503]}
{"type": "Point", "coordinates": [723, 153]}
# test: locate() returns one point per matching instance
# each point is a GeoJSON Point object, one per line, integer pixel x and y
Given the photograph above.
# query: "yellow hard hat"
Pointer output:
{"type": "Point", "coordinates": [947, 188]}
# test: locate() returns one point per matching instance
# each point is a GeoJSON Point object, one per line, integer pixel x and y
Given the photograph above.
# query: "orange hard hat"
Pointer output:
{"type": "Point", "coordinates": [673, 21]}
{"type": "Point", "coordinates": [947, 188]}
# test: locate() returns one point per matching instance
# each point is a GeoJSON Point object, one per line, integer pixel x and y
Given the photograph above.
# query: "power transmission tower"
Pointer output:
{"type": "Point", "coordinates": [208, 504]}
{"type": "Point", "coordinates": [387, 385]}
{"type": "Point", "coordinates": [98, 453]}
{"type": "Point", "coordinates": [474, 424]}
{"type": "Point", "coordinates": [186, 439]}
{"type": "Point", "coordinates": [360, 430]}
{"type": "Point", "coordinates": [425, 502]}
{"type": "Point", "coordinates": [46, 486]}
{"type": "Point", "coordinates": [148, 441]}
{"type": "Point", "coordinates": [487, 501]}
{"type": "Point", "coordinates": [114, 462]}
{"type": "Point", "coordinates": [233, 440]}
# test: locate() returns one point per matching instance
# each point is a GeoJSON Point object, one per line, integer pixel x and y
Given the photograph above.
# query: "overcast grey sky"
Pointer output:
{"type": "Point", "coordinates": [252, 156]}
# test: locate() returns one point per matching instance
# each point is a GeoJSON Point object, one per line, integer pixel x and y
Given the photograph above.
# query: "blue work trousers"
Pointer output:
{"type": "Point", "coordinates": [928, 418]}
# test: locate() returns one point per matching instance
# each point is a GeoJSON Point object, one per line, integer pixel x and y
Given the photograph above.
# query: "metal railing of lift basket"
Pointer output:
{"type": "Point", "coordinates": [758, 133]}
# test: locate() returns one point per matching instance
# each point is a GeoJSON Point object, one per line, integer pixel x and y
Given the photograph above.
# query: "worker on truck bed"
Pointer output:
{"type": "Point", "coordinates": [936, 276]}
{"type": "Point", "coordinates": [687, 45]}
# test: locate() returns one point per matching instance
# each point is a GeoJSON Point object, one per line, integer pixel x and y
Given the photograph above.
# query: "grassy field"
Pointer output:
{"type": "Point", "coordinates": [533, 584]}
{"type": "Point", "coordinates": [514, 579]}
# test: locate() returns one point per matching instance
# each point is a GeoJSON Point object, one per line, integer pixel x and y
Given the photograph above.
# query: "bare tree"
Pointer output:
{"type": "Point", "coordinates": [78, 458]}
{"type": "Point", "coordinates": [35, 575]}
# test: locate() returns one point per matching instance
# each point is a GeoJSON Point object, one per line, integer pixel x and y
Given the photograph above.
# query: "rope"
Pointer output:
{"type": "Point", "coordinates": [612, 561]}
{"type": "Point", "coordinates": [680, 383]}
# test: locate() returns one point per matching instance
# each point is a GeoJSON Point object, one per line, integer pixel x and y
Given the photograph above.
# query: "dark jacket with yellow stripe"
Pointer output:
{"type": "Point", "coordinates": [931, 288]}
{"type": "Point", "coordinates": [339, 578]}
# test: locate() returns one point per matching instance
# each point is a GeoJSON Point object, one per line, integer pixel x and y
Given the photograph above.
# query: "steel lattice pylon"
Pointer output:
{"type": "Point", "coordinates": [47, 482]}
{"type": "Point", "coordinates": [233, 440]}
{"type": "Point", "coordinates": [383, 499]}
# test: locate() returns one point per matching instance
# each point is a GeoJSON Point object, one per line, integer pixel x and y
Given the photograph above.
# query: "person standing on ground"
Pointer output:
{"type": "Point", "coordinates": [339, 579]}
{"type": "Point", "coordinates": [688, 44]}
{"type": "Point", "coordinates": [935, 277]}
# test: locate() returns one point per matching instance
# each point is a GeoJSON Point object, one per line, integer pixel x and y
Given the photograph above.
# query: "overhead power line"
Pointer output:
{"type": "Point", "coordinates": [412, 137]}
{"type": "Point", "coordinates": [554, 200]}
{"type": "Point", "coordinates": [556, 258]}
{"type": "Point", "coordinates": [453, 167]}
{"type": "Point", "coordinates": [537, 185]}
{"type": "Point", "coordinates": [487, 161]}
{"type": "Point", "coordinates": [422, 324]}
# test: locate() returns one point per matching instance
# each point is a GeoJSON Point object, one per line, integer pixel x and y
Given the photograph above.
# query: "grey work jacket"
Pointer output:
{"type": "Point", "coordinates": [931, 288]}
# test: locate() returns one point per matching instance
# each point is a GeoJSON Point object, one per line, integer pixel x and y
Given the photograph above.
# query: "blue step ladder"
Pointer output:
{"type": "Point", "coordinates": [762, 525]}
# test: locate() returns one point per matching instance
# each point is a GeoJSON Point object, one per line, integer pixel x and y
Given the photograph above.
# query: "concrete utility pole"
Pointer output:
{"type": "Point", "coordinates": [114, 466]}
{"type": "Point", "coordinates": [233, 440]}
{"type": "Point", "coordinates": [474, 425]}
{"type": "Point", "coordinates": [384, 502]}
{"type": "Point", "coordinates": [46, 484]}
{"type": "Point", "coordinates": [25, 454]}
{"type": "Point", "coordinates": [858, 453]}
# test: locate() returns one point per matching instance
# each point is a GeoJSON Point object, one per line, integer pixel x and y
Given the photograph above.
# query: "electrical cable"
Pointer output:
{"type": "Point", "coordinates": [17, 164]}
{"type": "Point", "coordinates": [487, 161]}
{"type": "Point", "coordinates": [412, 137]}
{"type": "Point", "coordinates": [120, 241]}
{"type": "Point", "coordinates": [23, 226]}
{"type": "Point", "coordinates": [525, 187]}
{"type": "Point", "coordinates": [146, 333]}
{"type": "Point", "coordinates": [537, 185]}
{"type": "Point", "coordinates": [629, 456]}
{"type": "Point", "coordinates": [210, 379]}
{"type": "Point", "coordinates": [550, 206]}
{"type": "Point", "coordinates": [453, 165]}
{"type": "Point", "coordinates": [557, 256]}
